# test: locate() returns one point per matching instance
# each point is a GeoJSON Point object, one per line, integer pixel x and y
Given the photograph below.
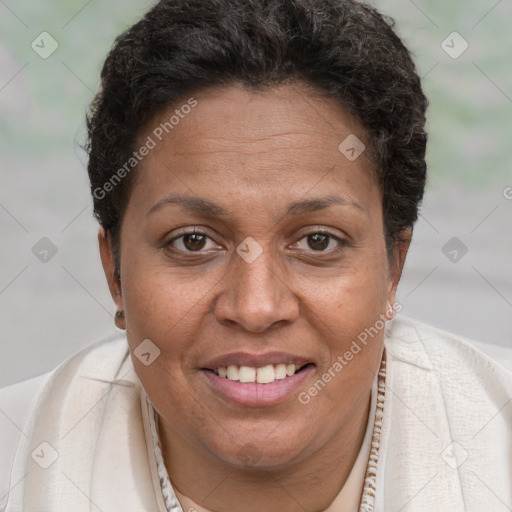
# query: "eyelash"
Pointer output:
{"type": "Point", "coordinates": [341, 243]}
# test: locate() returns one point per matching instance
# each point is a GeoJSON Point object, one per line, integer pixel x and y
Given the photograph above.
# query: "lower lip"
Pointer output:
{"type": "Point", "coordinates": [252, 394]}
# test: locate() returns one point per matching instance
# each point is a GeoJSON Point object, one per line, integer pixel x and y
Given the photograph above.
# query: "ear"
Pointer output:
{"type": "Point", "coordinates": [114, 283]}
{"type": "Point", "coordinates": [397, 262]}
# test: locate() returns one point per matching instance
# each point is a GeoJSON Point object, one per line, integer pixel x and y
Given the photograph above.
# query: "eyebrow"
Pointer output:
{"type": "Point", "coordinates": [201, 206]}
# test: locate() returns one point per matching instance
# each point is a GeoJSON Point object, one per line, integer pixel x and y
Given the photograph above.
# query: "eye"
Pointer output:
{"type": "Point", "coordinates": [192, 241]}
{"type": "Point", "coordinates": [319, 241]}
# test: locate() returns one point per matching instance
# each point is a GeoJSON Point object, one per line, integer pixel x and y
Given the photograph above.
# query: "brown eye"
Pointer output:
{"type": "Point", "coordinates": [318, 241]}
{"type": "Point", "coordinates": [194, 241]}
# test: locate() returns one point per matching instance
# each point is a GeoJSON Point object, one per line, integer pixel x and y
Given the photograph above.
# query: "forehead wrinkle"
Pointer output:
{"type": "Point", "coordinates": [294, 138]}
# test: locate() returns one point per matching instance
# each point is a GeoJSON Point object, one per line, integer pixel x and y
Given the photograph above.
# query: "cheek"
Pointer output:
{"type": "Point", "coordinates": [168, 314]}
{"type": "Point", "coordinates": [161, 304]}
{"type": "Point", "coordinates": [168, 309]}
{"type": "Point", "coordinates": [344, 310]}
{"type": "Point", "coordinates": [354, 296]}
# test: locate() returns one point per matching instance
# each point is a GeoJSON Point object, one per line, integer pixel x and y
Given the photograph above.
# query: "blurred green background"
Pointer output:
{"type": "Point", "coordinates": [49, 310]}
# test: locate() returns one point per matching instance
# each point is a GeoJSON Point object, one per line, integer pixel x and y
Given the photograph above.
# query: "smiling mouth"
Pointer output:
{"type": "Point", "coordinates": [261, 375]}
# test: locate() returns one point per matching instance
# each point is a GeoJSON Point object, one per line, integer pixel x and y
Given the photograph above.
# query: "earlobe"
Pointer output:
{"type": "Point", "coordinates": [119, 319]}
{"type": "Point", "coordinates": [109, 268]}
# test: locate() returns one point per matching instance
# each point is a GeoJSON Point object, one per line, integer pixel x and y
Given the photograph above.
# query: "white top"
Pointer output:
{"type": "Point", "coordinates": [444, 434]}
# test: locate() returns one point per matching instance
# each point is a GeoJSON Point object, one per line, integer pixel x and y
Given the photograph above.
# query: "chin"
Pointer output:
{"type": "Point", "coordinates": [258, 452]}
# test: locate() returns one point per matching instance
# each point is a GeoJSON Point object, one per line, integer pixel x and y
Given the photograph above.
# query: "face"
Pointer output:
{"type": "Point", "coordinates": [250, 240]}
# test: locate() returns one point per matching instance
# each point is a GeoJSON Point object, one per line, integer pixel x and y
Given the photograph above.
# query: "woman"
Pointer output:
{"type": "Point", "coordinates": [256, 168]}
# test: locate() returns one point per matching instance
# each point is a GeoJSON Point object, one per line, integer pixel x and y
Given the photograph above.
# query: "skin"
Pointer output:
{"type": "Point", "coordinates": [253, 153]}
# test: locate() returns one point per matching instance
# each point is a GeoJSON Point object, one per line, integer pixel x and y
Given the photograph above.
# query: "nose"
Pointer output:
{"type": "Point", "coordinates": [256, 296]}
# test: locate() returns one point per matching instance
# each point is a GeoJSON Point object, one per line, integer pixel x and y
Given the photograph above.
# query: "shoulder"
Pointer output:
{"type": "Point", "coordinates": [16, 401]}
{"type": "Point", "coordinates": [446, 421]}
{"type": "Point", "coordinates": [445, 352]}
{"type": "Point", "coordinates": [443, 414]}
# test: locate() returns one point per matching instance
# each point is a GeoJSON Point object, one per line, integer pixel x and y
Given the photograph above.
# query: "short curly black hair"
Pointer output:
{"type": "Point", "coordinates": [344, 48]}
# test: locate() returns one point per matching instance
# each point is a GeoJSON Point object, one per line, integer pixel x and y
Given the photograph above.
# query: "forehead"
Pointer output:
{"type": "Point", "coordinates": [248, 118]}
{"type": "Point", "coordinates": [283, 141]}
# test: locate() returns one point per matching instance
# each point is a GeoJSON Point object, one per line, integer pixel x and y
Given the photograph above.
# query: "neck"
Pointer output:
{"type": "Point", "coordinates": [311, 484]}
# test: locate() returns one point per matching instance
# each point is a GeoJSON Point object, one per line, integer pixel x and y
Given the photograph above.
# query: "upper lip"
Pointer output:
{"type": "Point", "coordinates": [255, 360]}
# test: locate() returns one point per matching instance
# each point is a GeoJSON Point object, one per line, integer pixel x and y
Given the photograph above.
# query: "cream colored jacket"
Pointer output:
{"type": "Point", "coordinates": [74, 440]}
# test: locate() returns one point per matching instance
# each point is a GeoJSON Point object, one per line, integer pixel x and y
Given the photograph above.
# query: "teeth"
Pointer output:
{"type": "Point", "coordinates": [280, 371]}
{"type": "Point", "coordinates": [264, 375]}
{"type": "Point", "coordinates": [247, 374]}
{"type": "Point", "coordinates": [232, 372]}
